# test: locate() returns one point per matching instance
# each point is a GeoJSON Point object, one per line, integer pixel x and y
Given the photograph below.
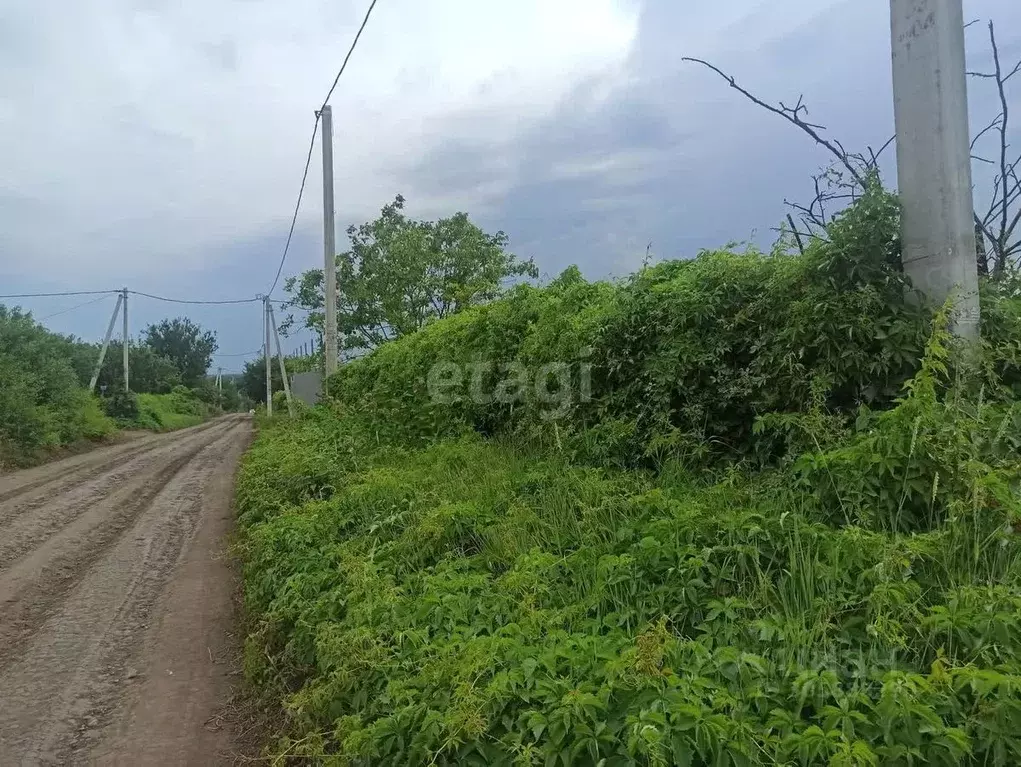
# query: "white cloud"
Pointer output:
{"type": "Point", "coordinates": [138, 131]}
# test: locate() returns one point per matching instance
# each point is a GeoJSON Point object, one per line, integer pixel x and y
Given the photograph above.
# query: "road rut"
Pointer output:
{"type": "Point", "coordinates": [112, 582]}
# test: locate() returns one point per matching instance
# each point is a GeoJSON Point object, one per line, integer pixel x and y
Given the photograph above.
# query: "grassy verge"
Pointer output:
{"type": "Point", "coordinates": [741, 510]}
{"type": "Point", "coordinates": [168, 412]}
{"type": "Point", "coordinates": [43, 409]}
{"type": "Point", "coordinates": [467, 602]}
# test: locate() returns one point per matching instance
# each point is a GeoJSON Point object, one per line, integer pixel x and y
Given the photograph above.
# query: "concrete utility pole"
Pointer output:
{"type": "Point", "coordinates": [283, 368]}
{"type": "Point", "coordinates": [329, 244]}
{"type": "Point", "coordinates": [106, 343]}
{"type": "Point", "coordinates": [124, 335]}
{"type": "Point", "coordinates": [934, 154]}
{"type": "Point", "coordinates": [269, 364]}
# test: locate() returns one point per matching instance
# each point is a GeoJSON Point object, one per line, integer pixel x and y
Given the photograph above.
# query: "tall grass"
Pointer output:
{"type": "Point", "coordinates": [168, 412]}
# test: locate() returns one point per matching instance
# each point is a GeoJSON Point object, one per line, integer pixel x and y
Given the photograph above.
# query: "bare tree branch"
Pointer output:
{"type": "Point", "coordinates": [876, 155]}
{"type": "Point", "coordinates": [1004, 172]}
{"type": "Point", "coordinates": [846, 178]}
{"type": "Point", "coordinates": [994, 124]}
{"type": "Point", "coordinates": [1000, 220]}
{"type": "Point", "coordinates": [792, 115]}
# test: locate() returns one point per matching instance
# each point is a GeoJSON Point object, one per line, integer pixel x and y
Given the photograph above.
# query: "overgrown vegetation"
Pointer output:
{"type": "Point", "coordinates": [774, 522]}
{"type": "Point", "coordinates": [42, 405]}
{"type": "Point", "coordinates": [400, 274]}
{"type": "Point", "coordinates": [252, 382]}
{"type": "Point", "coordinates": [44, 399]}
{"type": "Point", "coordinates": [682, 357]}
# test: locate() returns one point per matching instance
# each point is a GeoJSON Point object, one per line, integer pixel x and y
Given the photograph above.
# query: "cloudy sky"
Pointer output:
{"type": "Point", "coordinates": [159, 144]}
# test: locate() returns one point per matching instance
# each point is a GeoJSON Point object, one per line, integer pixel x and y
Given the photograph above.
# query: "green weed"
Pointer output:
{"type": "Point", "coordinates": [781, 531]}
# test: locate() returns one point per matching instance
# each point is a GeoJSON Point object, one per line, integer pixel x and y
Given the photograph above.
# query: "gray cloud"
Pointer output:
{"type": "Point", "coordinates": [668, 153]}
{"type": "Point", "coordinates": [160, 143]}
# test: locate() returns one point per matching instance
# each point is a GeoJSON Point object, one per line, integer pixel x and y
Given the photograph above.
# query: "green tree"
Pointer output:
{"type": "Point", "coordinates": [186, 344]}
{"type": "Point", "coordinates": [41, 402]}
{"type": "Point", "coordinates": [230, 397]}
{"type": "Point", "coordinates": [149, 372]}
{"type": "Point", "coordinates": [400, 274]}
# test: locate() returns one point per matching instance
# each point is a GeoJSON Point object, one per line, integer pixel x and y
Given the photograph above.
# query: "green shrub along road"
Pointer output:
{"type": "Point", "coordinates": [773, 523]}
{"type": "Point", "coordinates": [45, 405]}
{"type": "Point", "coordinates": [42, 403]}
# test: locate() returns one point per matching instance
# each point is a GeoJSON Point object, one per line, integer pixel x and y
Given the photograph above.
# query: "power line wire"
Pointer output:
{"type": "Point", "coordinates": [311, 144]}
{"type": "Point", "coordinates": [71, 309]}
{"type": "Point", "coordinates": [294, 218]}
{"type": "Point", "coordinates": [183, 300]}
{"type": "Point", "coordinates": [105, 293]}
{"type": "Point", "coordinates": [65, 293]}
{"type": "Point", "coordinates": [243, 354]}
{"type": "Point", "coordinates": [297, 205]}
{"type": "Point", "coordinates": [350, 51]}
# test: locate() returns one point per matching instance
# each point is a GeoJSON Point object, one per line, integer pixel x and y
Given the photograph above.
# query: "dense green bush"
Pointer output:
{"type": "Point", "coordinates": [682, 357]}
{"type": "Point", "coordinates": [148, 371]}
{"type": "Point", "coordinates": [44, 402]}
{"type": "Point", "coordinates": [41, 404]}
{"type": "Point", "coordinates": [121, 405]}
{"type": "Point", "coordinates": [781, 530]}
{"type": "Point", "coordinates": [465, 602]}
{"type": "Point", "coordinates": [166, 412]}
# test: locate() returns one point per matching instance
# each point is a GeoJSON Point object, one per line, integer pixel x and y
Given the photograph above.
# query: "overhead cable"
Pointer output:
{"type": "Point", "coordinates": [71, 309]}
{"type": "Point", "coordinates": [311, 145]}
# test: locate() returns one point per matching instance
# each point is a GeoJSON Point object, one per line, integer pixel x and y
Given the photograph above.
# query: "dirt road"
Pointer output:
{"type": "Point", "coordinates": [115, 602]}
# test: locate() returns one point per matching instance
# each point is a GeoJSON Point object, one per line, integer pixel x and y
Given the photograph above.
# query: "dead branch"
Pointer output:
{"type": "Point", "coordinates": [995, 229]}
{"type": "Point", "coordinates": [874, 156]}
{"type": "Point", "coordinates": [993, 125]}
{"type": "Point", "coordinates": [1004, 177]}
{"type": "Point", "coordinates": [792, 115]}
{"type": "Point", "coordinates": [1000, 221]}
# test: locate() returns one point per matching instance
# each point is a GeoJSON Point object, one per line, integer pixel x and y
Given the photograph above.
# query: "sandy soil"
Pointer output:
{"type": "Point", "coordinates": [115, 602]}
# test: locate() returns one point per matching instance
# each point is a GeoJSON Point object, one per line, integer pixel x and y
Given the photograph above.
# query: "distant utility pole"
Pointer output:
{"type": "Point", "coordinates": [280, 358]}
{"type": "Point", "coordinates": [934, 154]}
{"type": "Point", "coordinates": [124, 336]}
{"type": "Point", "coordinates": [329, 243]}
{"type": "Point", "coordinates": [269, 362]}
{"type": "Point", "coordinates": [106, 343]}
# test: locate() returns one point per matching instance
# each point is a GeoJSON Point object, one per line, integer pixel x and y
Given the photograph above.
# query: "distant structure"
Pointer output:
{"type": "Point", "coordinates": [307, 387]}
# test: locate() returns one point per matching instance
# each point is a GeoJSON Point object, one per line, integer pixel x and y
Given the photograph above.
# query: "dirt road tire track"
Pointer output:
{"type": "Point", "coordinates": [45, 478]}
{"type": "Point", "coordinates": [89, 558]}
